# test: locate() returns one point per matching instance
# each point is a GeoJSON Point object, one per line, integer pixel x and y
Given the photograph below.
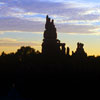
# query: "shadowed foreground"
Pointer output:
{"type": "Point", "coordinates": [27, 71]}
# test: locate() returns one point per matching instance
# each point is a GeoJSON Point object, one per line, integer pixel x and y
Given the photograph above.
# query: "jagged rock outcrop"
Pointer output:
{"type": "Point", "coordinates": [51, 45]}
{"type": "Point", "coordinates": [68, 51]}
{"type": "Point", "coordinates": [80, 50]}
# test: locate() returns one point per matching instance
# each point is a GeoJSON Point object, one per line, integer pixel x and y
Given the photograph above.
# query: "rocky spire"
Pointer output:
{"type": "Point", "coordinates": [68, 51]}
{"type": "Point", "coordinates": [51, 45]}
{"type": "Point", "coordinates": [50, 30]}
{"type": "Point", "coordinates": [80, 50]}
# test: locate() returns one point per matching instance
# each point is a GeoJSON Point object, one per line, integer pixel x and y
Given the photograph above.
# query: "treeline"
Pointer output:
{"type": "Point", "coordinates": [28, 67]}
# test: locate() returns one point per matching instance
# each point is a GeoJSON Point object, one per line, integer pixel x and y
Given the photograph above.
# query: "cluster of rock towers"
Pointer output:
{"type": "Point", "coordinates": [52, 46]}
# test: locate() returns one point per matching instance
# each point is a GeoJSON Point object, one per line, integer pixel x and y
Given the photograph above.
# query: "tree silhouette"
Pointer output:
{"type": "Point", "coordinates": [3, 54]}
{"type": "Point", "coordinates": [24, 51]}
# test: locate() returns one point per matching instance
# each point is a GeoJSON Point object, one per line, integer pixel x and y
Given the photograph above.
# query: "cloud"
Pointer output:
{"type": "Point", "coordinates": [9, 42]}
{"type": "Point", "coordinates": [29, 15]}
{"type": "Point", "coordinates": [78, 29]}
{"type": "Point", "coordinates": [15, 24]}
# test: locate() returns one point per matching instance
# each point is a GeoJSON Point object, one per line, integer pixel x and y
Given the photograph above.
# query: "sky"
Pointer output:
{"type": "Point", "coordinates": [22, 23]}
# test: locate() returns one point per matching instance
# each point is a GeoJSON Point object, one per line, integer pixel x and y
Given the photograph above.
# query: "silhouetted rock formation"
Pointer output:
{"type": "Point", "coordinates": [80, 50]}
{"type": "Point", "coordinates": [68, 51]}
{"type": "Point", "coordinates": [51, 45]}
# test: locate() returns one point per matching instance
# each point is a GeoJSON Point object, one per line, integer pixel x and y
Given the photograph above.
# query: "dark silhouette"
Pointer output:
{"type": "Point", "coordinates": [68, 51]}
{"type": "Point", "coordinates": [80, 50]}
{"type": "Point", "coordinates": [51, 45]}
{"type": "Point", "coordinates": [32, 71]}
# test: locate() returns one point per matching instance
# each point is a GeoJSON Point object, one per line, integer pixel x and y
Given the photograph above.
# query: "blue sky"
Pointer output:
{"type": "Point", "coordinates": [22, 23]}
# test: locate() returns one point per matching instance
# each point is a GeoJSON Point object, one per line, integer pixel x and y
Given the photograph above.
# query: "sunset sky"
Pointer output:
{"type": "Point", "coordinates": [22, 23]}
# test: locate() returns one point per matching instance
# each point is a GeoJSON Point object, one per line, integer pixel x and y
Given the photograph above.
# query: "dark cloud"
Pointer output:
{"type": "Point", "coordinates": [15, 24]}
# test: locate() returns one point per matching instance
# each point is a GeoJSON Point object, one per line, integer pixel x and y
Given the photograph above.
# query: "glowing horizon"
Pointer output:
{"type": "Point", "coordinates": [88, 47]}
